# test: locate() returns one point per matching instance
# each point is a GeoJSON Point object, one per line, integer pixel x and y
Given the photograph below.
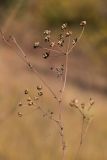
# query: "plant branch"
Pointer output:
{"type": "Point", "coordinates": [22, 54]}
{"type": "Point", "coordinates": [77, 40]}
{"type": "Point", "coordinates": [53, 50]}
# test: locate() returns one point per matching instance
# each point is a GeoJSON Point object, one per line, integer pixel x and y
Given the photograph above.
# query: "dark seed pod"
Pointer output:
{"type": "Point", "coordinates": [40, 93]}
{"type": "Point", "coordinates": [20, 104]}
{"type": "Point", "coordinates": [52, 44]}
{"type": "Point", "coordinates": [30, 103]}
{"type": "Point", "coordinates": [19, 114]}
{"type": "Point", "coordinates": [28, 99]}
{"type": "Point", "coordinates": [47, 38]}
{"type": "Point", "coordinates": [82, 105]}
{"type": "Point", "coordinates": [26, 91]}
{"type": "Point", "coordinates": [92, 101]}
{"type": "Point", "coordinates": [60, 43]}
{"type": "Point", "coordinates": [39, 87]}
{"type": "Point", "coordinates": [51, 68]}
{"type": "Point", "coordinates": [74, 41]}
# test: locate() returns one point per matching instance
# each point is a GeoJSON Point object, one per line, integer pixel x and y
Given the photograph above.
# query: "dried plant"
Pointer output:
{"type": "Point", "coordinates": [63, 46]}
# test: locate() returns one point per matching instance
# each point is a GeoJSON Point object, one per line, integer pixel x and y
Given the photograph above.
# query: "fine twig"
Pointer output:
{"type": "Point", "coordinates": [53, 50]}
{"type": "Point", "coordinates": [86, 119]}
{"type": "Point", "coordinates": [77, 40]}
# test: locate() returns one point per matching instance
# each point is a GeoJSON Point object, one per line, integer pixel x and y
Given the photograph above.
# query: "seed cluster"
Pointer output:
{"type": "Point", "coordinates": [82, 107]}
{"type": "Point", "coordinates": [59, 42]}
{"type": "Point", "coordinates": [31, 100]}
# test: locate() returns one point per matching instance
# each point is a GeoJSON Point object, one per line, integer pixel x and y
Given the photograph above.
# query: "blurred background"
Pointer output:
{"type": "Point", "coordinates": [32, 136]}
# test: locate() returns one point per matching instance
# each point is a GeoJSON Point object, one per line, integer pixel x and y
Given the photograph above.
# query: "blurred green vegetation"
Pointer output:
{"type": "Point", "coordinates": [37, 15]}
{"type": "Point", "coordinates": [54, 12]}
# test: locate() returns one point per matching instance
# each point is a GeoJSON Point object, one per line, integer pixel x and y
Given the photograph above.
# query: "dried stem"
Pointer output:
{"type": "Point", "coordinates": [85, 123]}
{"type": "Point", "coordinates": [61, 96]}
{"type": "Point", "coordinates": [53, 50]}
{"type": "Point", "coordinates": [77, 40]}
{"type": "Point", "coordinates": [59, 99]}
{"type": "Point", "coordinates": [4, 39]}
{"type": "Point", "coordinates": [81, 139]}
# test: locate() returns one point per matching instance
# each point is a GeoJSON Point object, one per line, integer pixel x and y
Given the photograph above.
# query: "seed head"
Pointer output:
{"type": "Point", "coordinates": [60, 43]}
{"type": "Point", "coordinates": [74, 41]}
{"type": "Point", "coordinates": [82, 105]}
{"type": "Point", "coordinates": [51, 113]}
{"type": "Point", "coordinates": [52, 44]}
{"type": "Point", "coordinates": [20, 104]}
{"type": "Point", "coordinates": [30, 103]}
{"type": "Point", "coordinates": [92, 101]}
{"type": "Point", "coordinates": [64, 26]}
{"type": "Point", "coordinates": [45, 55]}
{"type": "Point", "coordinates": [47, 32]}
{"type": "Point", "coordinates": [74, 102]}
{"type": "Point", "coordinates": [39, 87]}
{"type": "Point", "coordinates": [19, 114]}
{"type": "Point", "coordinates": [51, 68]}
{"type": "Point", "coordinates": [69, 33]}
{"type": "Point", "coordinates": [40, 93]}
{"type": "Point", "coordinates": [26, 91]}
{"type": "Point", "coordinates": [47, 38]}
{"type": "Point", "coordinates": [61, 128]}
{"type": "Point", "coordinates": [28, 99]}
{"type": "Point", "coordinates": [36, 44]}
{"type": "Point", "coordinates": [83, 23]}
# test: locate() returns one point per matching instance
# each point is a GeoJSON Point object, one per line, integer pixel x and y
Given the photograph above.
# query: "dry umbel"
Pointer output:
{"type": "Point", "coordinates": [56, 47]}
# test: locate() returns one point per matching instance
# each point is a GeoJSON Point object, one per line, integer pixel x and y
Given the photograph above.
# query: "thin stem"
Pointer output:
{"type": "Point", "coordinates": [53, 50]}
{"type": "Point", "coordinates": [81, 112]}
{"type": "Point", "coordinates": [66, 69]}
{"type": "Point", "coordinates": [4, 39]}
{"type": "Point", "coordinates": [60, 132]}
{"type": "Point", "coordinates": [63, 148]}
{"type": "Point", "coordinates": [81, 139]}
{"type": "Point", "coordinates": [77, 40]}
{"type": "Point", "coordinates": [60, 101]}
{"type": "Point", "coordinates": [65, 76]}
{"type": "Point", "coordinates": [64, 83]}
{"type": "Point", "coordinates": [82, 130]}
{"type": "Point", "coordinates": [87, 127]}
{"type": "Point", "coordinates": [63, 88]}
